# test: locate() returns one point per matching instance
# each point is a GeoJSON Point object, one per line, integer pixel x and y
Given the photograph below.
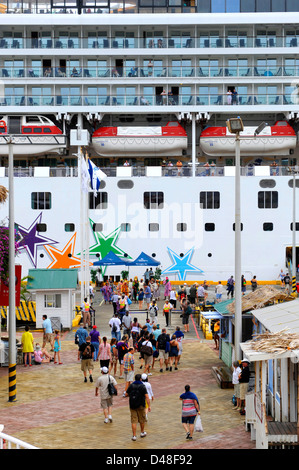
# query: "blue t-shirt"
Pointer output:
{"type": "Point", "coordinates": [149, 327]}
{"type": "Point", "coordinates": [148, 292]}
{"type": "Point", "coordinates": [81, 334]}
{"type": "Point", "coordinates": [179, 334]}
{"type": "Point", "coordinates": [47, 325]}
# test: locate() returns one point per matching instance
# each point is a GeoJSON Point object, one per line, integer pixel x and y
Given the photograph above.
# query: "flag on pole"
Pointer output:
{"type": "Point", "coordinates": [84, 176]}
{"type": "Point", "coordinates": [96, 175]}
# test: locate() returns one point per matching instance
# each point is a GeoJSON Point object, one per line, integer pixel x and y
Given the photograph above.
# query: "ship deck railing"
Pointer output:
{"type": "Point", "coordinates": [166, 41]}
{"type": "Point", "coordinates": [178, 70]}
{"type": "Point", "coordinates": [149, 100]}
{"type": "Point", "coordinates": [151, 171]}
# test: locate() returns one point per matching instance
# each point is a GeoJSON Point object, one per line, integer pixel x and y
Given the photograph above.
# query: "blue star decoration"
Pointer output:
{"type": "Point", "coordinates": [181, 265]}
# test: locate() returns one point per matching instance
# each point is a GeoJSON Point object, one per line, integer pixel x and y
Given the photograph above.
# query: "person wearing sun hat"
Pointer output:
{"type": "Point", "coordinates": [106, 399]}
{"type": "Point", "coordinates": [244, 382]}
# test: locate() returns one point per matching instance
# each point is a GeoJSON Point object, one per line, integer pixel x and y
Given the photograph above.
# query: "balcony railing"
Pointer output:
{"type": "Point", "coordinates": [171, 42]}
{"type": "Point", "coordinates": [201, 170]}
{"type": "Point", "coordinates": [132, 99]}
{"type": "Point", "coordinates": [146, 71]}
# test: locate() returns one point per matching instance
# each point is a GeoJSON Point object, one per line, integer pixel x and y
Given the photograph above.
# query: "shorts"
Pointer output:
{"type": "Point", "coordinates": [163, 354]}
{"type": "Point", "coordinates": [185, 319]}
{"type": "Point", "coordinates": [188, 419]}
{"type": "Point", "coordinates": [48, 337]}
{"type": "Point", "coordinates": [121, 360]}
{"type": "Point", "coordinates": [237, 390]}
{"type": "Point", "coordinates": [113, 360]}
{"type": "Point", "coordinates": [129, 376]}
{"type": "Point", "coordinates": [86, 365]}
{"type": "Point", "coordinates": [106, 402]}
{"type": "Point", "coordinates": [148, 360]}
{"type": "Point", "coordinates": [243, 390]}
{"type": "Point", "coordinates": [138, 415]}
{"type": "Point", "coordinates": [218, 296]}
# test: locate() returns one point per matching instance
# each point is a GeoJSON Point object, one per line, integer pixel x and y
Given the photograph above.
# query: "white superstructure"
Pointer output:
{"type": "Point", "coordinates": [143, 69]}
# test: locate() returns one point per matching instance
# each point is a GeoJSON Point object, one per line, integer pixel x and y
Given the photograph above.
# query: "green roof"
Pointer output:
{"type": "Point", "coordinates": [221, 307]}
{"type": "Point", "coordinates": [45, 279]}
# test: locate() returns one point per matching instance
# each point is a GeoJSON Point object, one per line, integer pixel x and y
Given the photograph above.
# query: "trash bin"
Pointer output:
{"type": "Point", "coordinates": [56, 323]}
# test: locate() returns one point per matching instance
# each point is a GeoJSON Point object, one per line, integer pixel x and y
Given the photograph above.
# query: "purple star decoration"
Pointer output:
{"type": "Point", "coordinates": [29, 239]}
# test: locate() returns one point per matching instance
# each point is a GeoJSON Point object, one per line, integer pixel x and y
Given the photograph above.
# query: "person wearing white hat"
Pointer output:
{"type": "Point", "coordinates": [106, 399]}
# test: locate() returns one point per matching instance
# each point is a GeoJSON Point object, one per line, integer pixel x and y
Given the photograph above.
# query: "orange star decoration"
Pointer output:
{"type": "Point", "coordinates": [64, 259]}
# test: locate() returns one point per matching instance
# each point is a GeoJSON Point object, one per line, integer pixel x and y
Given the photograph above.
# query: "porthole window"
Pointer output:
{"type": "Point", "coordinates": [267, 183]}
{"type": "Point", "coordinates": [125, 184]}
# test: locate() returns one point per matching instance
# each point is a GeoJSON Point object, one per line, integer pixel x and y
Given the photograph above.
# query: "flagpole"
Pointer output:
{"type": "Point", "coordinates": [80, 157]}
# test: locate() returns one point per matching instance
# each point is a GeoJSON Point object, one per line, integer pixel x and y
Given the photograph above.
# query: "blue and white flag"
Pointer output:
{"type": "Point", "coordinates": [96, 175]}
{"type": "Point", "coordinates": [84, 176]}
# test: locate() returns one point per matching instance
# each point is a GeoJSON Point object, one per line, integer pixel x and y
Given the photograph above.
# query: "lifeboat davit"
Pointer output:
{"type": "Point", "coordinates": [273, 140]}
{"type": "Point", "coordinates": [169, 140]}
{"type": "Point", "coordinates": [32, 135]}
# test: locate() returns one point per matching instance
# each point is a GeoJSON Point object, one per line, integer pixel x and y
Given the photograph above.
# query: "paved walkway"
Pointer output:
{"type": "Point", "coordinates": [55, 409]}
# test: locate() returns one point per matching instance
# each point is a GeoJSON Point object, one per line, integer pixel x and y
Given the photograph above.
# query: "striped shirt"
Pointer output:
{"type": "Point", "coordinates": [188, 406]}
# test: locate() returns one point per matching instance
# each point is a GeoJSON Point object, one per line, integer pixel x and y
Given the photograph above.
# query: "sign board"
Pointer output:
{"type": "Point", "coordinates": [4, 288]}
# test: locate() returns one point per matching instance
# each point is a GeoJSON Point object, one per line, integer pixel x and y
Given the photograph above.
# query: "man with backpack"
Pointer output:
{"type": "Point", "coordinates": [163, 347]}
{"type": "Point", "coordinates": [115, 325]}
{"type": "Point", "coordinates": [85, 352]}
{"type": "Point", "coordinates": [138, 396]}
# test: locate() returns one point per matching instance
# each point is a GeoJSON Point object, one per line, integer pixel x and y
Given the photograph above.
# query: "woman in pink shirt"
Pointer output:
{"type": "Point", "coordinates": [104, 353]}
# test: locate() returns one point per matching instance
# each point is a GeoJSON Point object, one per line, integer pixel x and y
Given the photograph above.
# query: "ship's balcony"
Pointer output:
{"type": "Point", "coordinates": [151, 102]}
{"type": "Point", "coordinates": [179, 68]}
{"type": "Point", "coordinates": [202, 42]}
{"type": "Point", "coordinates": [201, 170]}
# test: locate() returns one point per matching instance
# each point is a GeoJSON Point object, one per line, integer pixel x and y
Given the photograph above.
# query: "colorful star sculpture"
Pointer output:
{"type": "Point", "coordinates": [64, 258]}
{"type": "Point", "coordinates": [181, 265]}
{"type": "Point", "coordinates": [29, 239]}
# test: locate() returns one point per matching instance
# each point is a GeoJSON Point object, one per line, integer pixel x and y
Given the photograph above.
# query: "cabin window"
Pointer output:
{"type": "Point", "coordinates": [154, 227]}
{"type": "Point", "coordinates": [210, 227]}
{"type": "Point", "coordinates": [47, 130]}
{"type": "Point", "coordinates": [125, 184]}
{"type": "Point", "coordinates": [153, 200]}
{"type": "Point", "coordinates": [268, 226]}
{"type": "Point", "coordinates": [125, 227]}
{"type": "Point", "coordinates": [267, 183]}
{"type": "Point", "coordinates": [41, 227]}
{"type": "Point", "coordinates": [267, 199]}
{"type": "Point", "coordinates": [27, 130]}
{"type": "Point", "coordinates": [297, 226]}
{"type": "Point", "coordinates": [98, 202]}
{"type": "Point", "coordinates": [241, 227]}
{"type": "Point", "coordinates": [41, 201]}
{"type": "Point", "coordinates": [69, 227]}
{"type": "Point", "coordinates": [181, 227]}
{"type": "Point", "coordinates": [97, 227]}
{"type": "Point", "coordinates": [37, 130]}
{"type": "Point", "coordinates": [209, 199]}
{"type": "Point", "coordinates": [52, 301]}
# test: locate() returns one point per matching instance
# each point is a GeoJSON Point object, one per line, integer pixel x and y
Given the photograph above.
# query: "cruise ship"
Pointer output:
{"type": "Point", "coordinates": [143, 89]}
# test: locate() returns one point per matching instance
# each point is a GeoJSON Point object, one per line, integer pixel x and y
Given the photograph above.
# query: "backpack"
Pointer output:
{"type": "Point", "coordinates": [162, 340]}
{"type": "Point", "coordinates": [87, 351]}
{"type": "Point", "coordinates": [147, 350]}
{"type": "Point", "coordinates": [136, 397]}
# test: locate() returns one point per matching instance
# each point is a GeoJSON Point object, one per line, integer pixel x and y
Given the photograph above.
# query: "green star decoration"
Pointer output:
{"type": "Point", "coordinates": [105, 244]}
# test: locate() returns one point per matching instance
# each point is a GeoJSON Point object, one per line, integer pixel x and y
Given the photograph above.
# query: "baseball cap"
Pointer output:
{"type": "Point", "coordinates": [94, 326]}
{"type": "Point", "coordinates": [144, 377]}
{"type": "Point", "coordinates": [104, 370]}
